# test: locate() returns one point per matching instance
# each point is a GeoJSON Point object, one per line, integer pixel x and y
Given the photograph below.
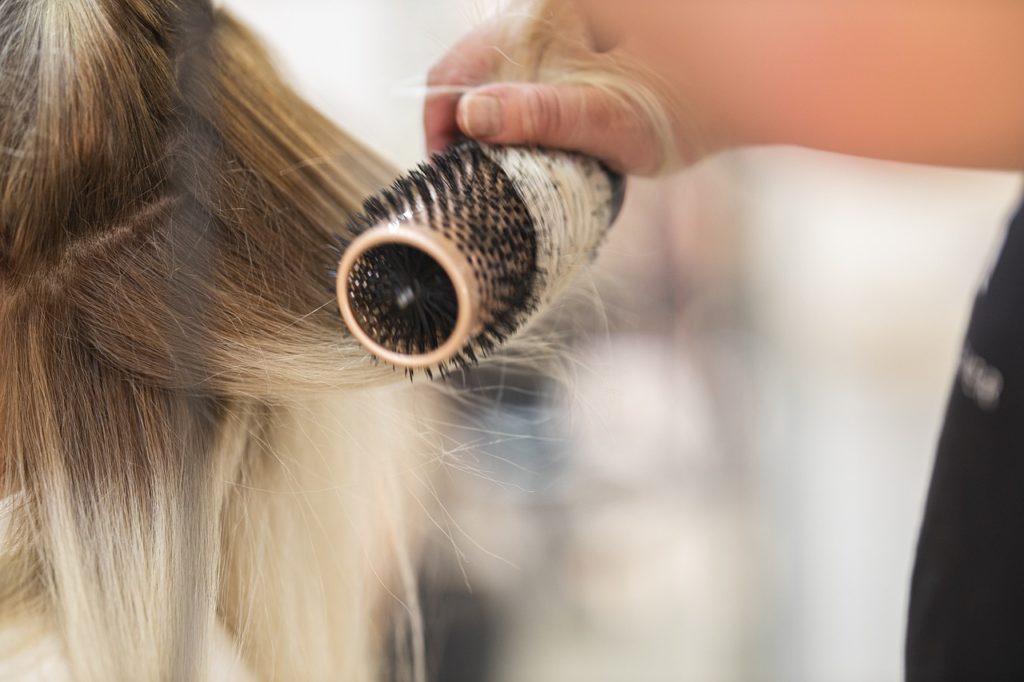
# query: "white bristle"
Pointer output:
{"type": "Point", "coordinates": [569, 197]}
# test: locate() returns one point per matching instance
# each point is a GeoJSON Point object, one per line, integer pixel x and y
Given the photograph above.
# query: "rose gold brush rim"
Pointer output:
{"type": "Point", "coordinates": [451, 260]}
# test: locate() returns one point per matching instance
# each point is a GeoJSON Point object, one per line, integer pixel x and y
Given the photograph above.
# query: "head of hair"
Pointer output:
{"type": "Point", "coordinates": [182, 455]}
{"type": "Point", "coordinates": [169, 343]}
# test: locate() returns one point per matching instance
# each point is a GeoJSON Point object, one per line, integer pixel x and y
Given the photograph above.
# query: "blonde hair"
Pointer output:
{"type": "Point", "coordinates": [166, 204]}
{"type": "Point", "coordinates": [179, 458]}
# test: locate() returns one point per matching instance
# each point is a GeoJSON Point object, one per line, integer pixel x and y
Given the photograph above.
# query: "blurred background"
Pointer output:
{"type": "Point", "coordinates": [723, 477]}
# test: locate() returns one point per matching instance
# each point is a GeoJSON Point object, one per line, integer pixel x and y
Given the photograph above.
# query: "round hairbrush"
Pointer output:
{"type": "Point", "coordinates": [456, 256]}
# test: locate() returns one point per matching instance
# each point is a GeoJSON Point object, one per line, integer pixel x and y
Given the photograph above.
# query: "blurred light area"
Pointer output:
{"type": "Point", "coordinates": [729, 485]}
{"type": "Point", "coordinates": [364, 62]}
{"type": "Point", "coordinates": [859, 280]}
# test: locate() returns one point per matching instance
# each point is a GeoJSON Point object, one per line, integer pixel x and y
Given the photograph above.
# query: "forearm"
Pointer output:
{"type": "Point", "coordinates": [938, 81]}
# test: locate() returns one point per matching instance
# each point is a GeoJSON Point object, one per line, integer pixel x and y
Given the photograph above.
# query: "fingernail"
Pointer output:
{"type": "Point", "coordinates": [481, 115]}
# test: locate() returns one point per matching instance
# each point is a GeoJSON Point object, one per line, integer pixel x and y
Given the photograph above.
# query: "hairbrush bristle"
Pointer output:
{"type": "Point", "coordinates": [452, 259]}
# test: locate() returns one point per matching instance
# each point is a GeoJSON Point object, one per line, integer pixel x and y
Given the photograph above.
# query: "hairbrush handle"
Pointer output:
{"type": "Point", "coordinates": [457, 255]}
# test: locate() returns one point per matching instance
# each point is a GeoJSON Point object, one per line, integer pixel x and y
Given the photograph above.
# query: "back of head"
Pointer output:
{"type": "Point", "coordinates": [165, 202]}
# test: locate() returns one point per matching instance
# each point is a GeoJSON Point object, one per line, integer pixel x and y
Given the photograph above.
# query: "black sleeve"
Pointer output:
{"type": "Point", "coordinates": [966, 617]}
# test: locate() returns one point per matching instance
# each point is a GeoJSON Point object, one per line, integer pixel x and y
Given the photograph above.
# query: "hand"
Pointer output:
{"type": "Point", "coordinates": [580, 118]}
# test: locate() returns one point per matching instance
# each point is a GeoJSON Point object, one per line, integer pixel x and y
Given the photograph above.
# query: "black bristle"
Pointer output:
{"type": "Point", "coordinates": [392, 200]}
{"type": "Point", "coordinates": [423, 190]}
{"type": "Point", "coordinates": [374, 211]}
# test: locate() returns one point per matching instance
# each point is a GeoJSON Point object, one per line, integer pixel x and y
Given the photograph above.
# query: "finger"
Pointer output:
{"type": "Point", "coordinates": [573, 117]}
{"type": "Point", "coordinates": [468, 63]}
{"type": "Point", "coordinates": [439, 121]}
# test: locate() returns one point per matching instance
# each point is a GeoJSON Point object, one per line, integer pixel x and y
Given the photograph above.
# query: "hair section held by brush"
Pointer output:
{"type": "Point", "coordinates": [456, 256]}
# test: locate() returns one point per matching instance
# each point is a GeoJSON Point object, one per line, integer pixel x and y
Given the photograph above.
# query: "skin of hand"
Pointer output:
{"type": "Point", "coordinates": [932, 82]}
{"type": "Point", "coordinates": [574, 117]}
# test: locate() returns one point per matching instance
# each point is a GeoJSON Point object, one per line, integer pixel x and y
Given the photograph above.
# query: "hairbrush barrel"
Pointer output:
{"type": "Point", "coordinates": [457, 255]}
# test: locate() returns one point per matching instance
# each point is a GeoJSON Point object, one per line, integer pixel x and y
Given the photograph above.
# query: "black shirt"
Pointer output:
{"type": "Point", "coordinates": [967, 598]}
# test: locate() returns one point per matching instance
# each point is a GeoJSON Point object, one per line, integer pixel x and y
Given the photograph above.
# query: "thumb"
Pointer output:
{"type": "Point", "coordinates": [572, 117]}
